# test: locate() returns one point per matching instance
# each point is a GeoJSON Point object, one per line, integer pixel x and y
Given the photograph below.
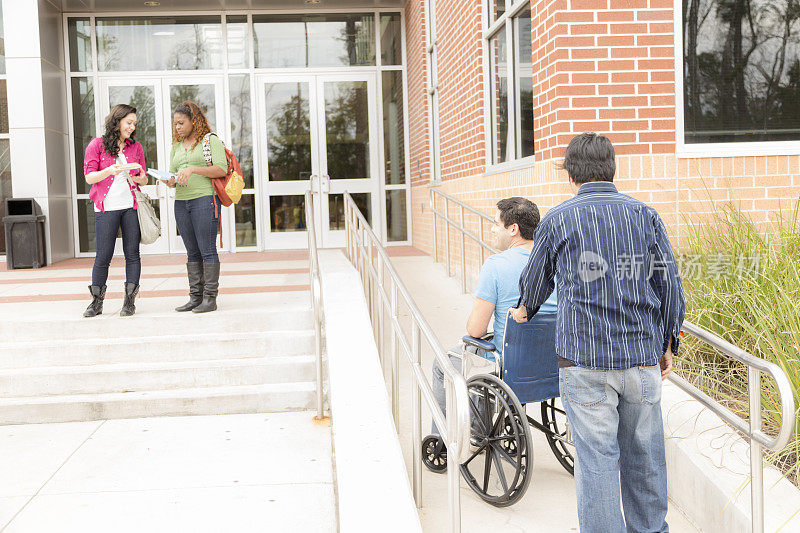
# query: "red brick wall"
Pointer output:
{"type": "Point", "coordinates": [598, 65]}
{"type": "Point", "coordinates": [416, 73]}
{"type": "Point", "coordinates": [461, 95]}
{"type": "Point", "coordinates": [605, 66]}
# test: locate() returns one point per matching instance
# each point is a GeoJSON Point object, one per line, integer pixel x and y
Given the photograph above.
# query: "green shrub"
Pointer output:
{"type": "Point", "coordinates": [751, 300]}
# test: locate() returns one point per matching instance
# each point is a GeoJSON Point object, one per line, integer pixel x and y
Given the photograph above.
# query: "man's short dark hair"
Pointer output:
{"type": "Point", "coordinates": [590, 157]}
{"type": "Point", "coordinates": [519, 211]}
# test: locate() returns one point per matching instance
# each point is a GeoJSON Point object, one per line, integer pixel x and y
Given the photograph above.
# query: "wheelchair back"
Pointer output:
{"type": "Point", "coordinates": [529, 363]}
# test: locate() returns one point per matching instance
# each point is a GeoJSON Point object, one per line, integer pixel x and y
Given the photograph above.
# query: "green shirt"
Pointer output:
{"type": "Point", "coordinates": [199, 185]}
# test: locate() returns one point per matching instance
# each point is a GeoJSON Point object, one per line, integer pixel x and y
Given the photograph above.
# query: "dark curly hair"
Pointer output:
{"type": "Point", "coordinates": [196, 114]}
{"type": "Point", "coordinates": [111, 136]}
{"type": "Point", "coordinates": [519, 211]}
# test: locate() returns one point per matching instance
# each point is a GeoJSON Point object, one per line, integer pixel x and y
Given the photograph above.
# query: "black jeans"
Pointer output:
{"type": "Point", "coordinates": [198, 228]}
{"type": "Point", "coordinates": [106, 226]}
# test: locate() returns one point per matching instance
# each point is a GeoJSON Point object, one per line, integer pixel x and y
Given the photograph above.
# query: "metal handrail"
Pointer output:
{"type": "Point", "coordinates": [460, 227]}
{"type": "Point", "coordinates": [368, 256]}
{"type": "Point", "coordinates": [752, 431]}
{"type": "Point", "coordinates": [315, 283]}
{"type": "Point", "coordinates": [755, 366]}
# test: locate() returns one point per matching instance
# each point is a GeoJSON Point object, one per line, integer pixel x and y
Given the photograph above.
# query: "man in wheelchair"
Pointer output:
{"type": "Point", "coordinates": [498, 285]}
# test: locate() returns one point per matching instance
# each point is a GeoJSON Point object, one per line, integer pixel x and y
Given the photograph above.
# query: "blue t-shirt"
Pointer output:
{"type": "Point", "coordinates": [498, 283]}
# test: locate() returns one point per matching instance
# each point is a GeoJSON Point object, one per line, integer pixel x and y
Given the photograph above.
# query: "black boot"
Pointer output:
{"type": "Point", "coordinates": [96, 307]}
{"type": "Point", "coordinates": [210, 289]}
{"type": "Point", "coordinates": [128, 308]}
{"type": "Point", "coordinates": [196, 281]}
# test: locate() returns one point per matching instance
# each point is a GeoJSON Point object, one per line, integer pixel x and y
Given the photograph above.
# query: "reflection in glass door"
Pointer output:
{"type": "Point", "coordinates": [348, 144]}
{"type": "Point", "coordinates": [291, 160]}
{"type": "Point", "coordinates": [319, 133]}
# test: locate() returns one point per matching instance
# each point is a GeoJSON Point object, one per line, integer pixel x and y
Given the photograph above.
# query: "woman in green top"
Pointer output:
{"type": "Point", "coordinates": [197, 209]}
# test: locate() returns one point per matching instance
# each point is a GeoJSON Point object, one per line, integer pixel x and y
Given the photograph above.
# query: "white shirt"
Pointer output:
{"type": "Point", "coordinates": [119, 195]}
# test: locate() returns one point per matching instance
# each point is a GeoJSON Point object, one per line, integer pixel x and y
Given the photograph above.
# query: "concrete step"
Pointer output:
{"type": "Point", "coordinates": [137, 377]}
{"type": "Point", "coordinates": [274, 397]}
{"type": "Point", "coordinates": [292, 312]}
{"type": "Point", "coordinates": [151, 349]}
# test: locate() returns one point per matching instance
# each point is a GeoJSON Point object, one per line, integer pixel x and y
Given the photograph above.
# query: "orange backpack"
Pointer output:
{"type": "Point", "coordinates": [229, 187]}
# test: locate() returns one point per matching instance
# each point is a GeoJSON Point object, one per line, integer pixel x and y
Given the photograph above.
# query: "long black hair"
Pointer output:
{"type": "Point", "coordinates": [111, 136]}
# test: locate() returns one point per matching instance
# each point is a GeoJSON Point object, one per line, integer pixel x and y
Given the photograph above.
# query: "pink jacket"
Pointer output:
{"type": "Point", "coordinates": [96, 158]}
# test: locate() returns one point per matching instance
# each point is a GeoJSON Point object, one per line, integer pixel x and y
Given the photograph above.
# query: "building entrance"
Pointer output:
{"type": "Point", "coordinates": [305, 100]}
{"type": "Point", "coordinates": [318, 133]}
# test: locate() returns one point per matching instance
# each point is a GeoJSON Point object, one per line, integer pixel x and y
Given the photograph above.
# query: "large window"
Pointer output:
{"type": "Point", "coordinates": [5, 152]}
{"type": "Point", "coordinates": [159, 43]}
{"type": "Point", "coordinates": [164, 59]}
{"type": "Point", "coordinates": [741, 70]}
{"type": "Point", "coordinates": [510, 102]}
{"type": "Point", "coordinates": [314, 40]}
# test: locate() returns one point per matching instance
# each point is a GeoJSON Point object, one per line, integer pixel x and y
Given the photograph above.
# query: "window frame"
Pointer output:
{"type": "Point", "coordinates": [490, 29]}
{"type": "Point", "coordinates": [684, 150]}
{"type": "Point", "coordinates": [7, 135]}
{"type": "Point", "coordinates": [432, 88]}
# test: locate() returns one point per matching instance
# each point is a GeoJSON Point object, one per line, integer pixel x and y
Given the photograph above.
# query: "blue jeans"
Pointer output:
{"type": "Point", "coordinates": [198, 228]}
{"type": "Point", "coordinates": [615, 417]}
{"type": "Point", "coordinates": [106, 226]}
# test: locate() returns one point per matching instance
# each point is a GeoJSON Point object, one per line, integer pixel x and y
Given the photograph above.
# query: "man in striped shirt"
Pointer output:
{"type": "Point", "coordinates": [620, 310]}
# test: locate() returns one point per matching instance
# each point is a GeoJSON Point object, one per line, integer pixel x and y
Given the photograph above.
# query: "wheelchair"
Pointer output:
{"type": "Point", "coordinates": [500, 463]}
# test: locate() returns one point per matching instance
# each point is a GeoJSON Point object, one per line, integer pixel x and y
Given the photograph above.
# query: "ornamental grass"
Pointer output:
{"type": "Point", "coordinates": [742, 282]}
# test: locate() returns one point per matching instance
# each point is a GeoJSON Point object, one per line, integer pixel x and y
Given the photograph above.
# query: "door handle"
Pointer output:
{"type": "Point", "coordinates": [311, 180]}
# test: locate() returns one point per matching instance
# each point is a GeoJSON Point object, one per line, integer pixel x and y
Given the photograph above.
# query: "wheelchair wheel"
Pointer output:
{"type": "Point", "coordinates": [497, 476]}
{"type": "Point", "coordinates": [434, 454]}
{"type": "Point", "coordinates": [558, 435]}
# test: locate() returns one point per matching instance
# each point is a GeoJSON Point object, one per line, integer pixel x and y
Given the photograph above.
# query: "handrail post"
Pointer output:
{"type": "Point", "coordinates": [381, 309]}
{"type": "Point", "coordinates": [347, 231]}
{"type": "Point", "coordinates": [453, 468]}
{"type": "Point", "coordinates": [463, 259]}
{"type": "Point", "coordinates": [416, 410]}
{"type": "Point", "coordinates": [395, 361]}
{"type": "Point", "coordinates": [756, 460]}
{"type": "Point", "coordinates": [433, 219]}
{"type": "Point", "coordinates": [483, 250]}
{"type": "Point", "coordinates": [315, 286]}
{"type": "Point", "coordinates": [447, 235]}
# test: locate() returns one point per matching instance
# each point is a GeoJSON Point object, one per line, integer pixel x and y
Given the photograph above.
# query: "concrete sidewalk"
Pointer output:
{"type": "Point", "coordinates": [242, 473]}
{"type": "Point", "coordinates": [230, 472]}
{"type": "Point", "coordinates": [549, 504]}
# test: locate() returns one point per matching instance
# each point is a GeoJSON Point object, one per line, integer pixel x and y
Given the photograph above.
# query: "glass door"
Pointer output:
{"type": "Point", "coordinates": [205, 91]}
{"type": "Point", "coordinates": [348, 145]}
{"type": "Point", "coordinates": [290, 159]}
{"type": "Point", "coordinates": [146, 96]}
{"type": "Point", "coordinates": [318, 133]}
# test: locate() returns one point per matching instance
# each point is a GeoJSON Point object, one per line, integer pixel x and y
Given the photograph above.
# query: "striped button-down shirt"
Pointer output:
{"type": "Point", "coordinates": [620, 299]}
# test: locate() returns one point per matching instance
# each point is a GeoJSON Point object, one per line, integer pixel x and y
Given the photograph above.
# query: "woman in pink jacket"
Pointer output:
{"type": "Point", "coordinates": [115, 204]}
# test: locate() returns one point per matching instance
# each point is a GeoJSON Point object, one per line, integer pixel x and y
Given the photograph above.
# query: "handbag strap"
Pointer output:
{"type": "Point", "coordinates": [132, 184]}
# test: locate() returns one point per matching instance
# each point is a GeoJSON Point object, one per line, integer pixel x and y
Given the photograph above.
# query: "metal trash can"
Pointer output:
{"type": "Point", "coordinates": [24, 226]}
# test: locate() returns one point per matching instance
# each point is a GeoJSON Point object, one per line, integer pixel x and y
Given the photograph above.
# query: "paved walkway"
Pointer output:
{"type": "Point", "coordinates": [236, 473]}
{"type": "Point", "coordinates": [549, 504]}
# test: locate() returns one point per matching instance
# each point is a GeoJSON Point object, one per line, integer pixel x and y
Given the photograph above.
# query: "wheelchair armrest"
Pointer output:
{"type": "Point", "coordinates": [485, 345]}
